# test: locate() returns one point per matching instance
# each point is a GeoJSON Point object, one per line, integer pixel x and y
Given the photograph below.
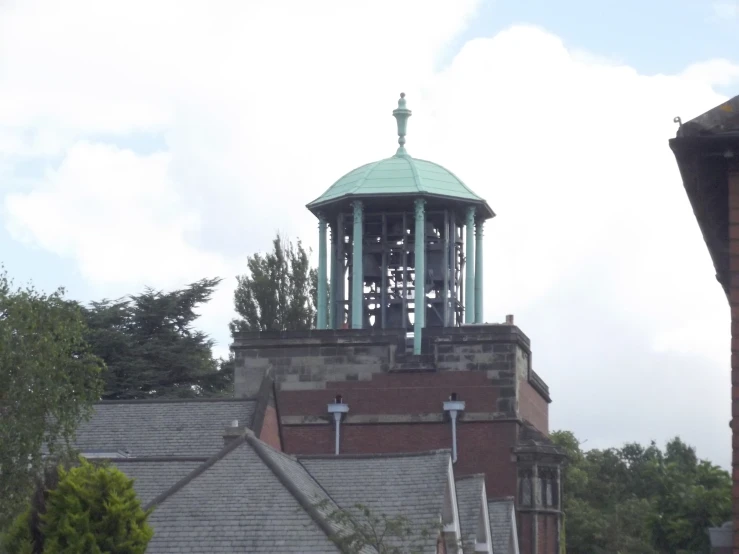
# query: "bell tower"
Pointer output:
{"type": "Point", "coordinates": [405, 249]}
{"type": "Point", "coordinates": [402, 359]}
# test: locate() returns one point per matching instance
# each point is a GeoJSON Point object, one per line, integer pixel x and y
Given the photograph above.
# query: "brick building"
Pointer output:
{"type": "Point", "coordinates": [414, 409]}
{"type": "Point", "coordinates": [707, 153]}
{"type": "Point", "coordinates": [383, 373]}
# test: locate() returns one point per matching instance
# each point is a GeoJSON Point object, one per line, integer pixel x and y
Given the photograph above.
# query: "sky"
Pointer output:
{"type": "Point", "coordinates": [158, 143]}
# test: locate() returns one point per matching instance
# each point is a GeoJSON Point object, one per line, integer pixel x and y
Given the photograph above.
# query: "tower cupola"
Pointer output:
{"type": "Point", "coordinates": [406, 245]}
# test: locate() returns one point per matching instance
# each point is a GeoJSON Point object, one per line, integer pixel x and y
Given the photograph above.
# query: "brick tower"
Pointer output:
{"type": "Point", "coordinates": [384, 372]}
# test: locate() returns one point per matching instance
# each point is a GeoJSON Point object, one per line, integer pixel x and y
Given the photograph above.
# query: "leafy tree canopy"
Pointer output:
{"type": "Point", "coordinates": [48, 381]}
{"type": "Point", "coordinates": [151, 348]}
{"type": "Point", "coordinates": [638, 499]}
{"type": "Point", "coordinates": [89, 508]}
{"type": "Point", "coordinates": [279, 291]}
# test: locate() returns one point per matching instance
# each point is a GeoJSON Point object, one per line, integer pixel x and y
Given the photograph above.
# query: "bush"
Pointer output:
{"type": "Point", "coordinates": [93, 509]}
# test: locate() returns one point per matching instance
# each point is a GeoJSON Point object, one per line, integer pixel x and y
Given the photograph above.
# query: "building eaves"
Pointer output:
{"type": "Point", "coordinates": [704, 149]}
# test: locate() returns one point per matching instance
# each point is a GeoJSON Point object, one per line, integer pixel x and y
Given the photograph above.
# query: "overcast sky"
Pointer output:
{"type": "Point", "coordinates": [156, 143]}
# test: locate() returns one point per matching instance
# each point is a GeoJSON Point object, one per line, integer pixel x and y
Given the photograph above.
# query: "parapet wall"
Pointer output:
{"type": "Point", "coordinates": [308, 360]}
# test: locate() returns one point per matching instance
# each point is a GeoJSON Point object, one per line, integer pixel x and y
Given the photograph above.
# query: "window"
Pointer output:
{"type": "Point", "coordinates": [526, 492]}
{"type": "Point", "coordinates": [549, 487]}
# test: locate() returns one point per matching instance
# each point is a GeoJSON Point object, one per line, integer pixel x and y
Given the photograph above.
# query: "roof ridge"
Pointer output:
{"type": "Point", "coordinates": [310, 508]}
{"type": "Point", "coordinates": [416, 175]}
{"type": "Point", "coordinates": [232, 445]}
{"type": "Point", "coordinates": [174, 400]}
{"type": "Point", "coordinates": [438, 451]}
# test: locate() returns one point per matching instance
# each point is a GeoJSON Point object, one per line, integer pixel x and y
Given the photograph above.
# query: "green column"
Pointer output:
{"type": "Point", "coordinates": [357, 270]}
{"type": "Point", "coordinates": [332, 279]}
{"type": "Point", "coordinates": [419, 317]}
{"type": "Point", "coordinates": [321, 316]}
{"type": "Point", "coordinates": [478, 271]}
{"type": "Point", "coordinates": [469, 281]}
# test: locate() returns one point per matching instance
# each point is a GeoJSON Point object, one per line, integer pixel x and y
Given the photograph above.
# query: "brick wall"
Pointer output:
{"type": "Point", "coordinates": [400, 393]}
{"type": "Point", "coordinates": [533, 407]}
{"type": "Point", "coordinates": [483, 447]}
{"type": "Point", "coordinates": [734, 301]}
{"type": "Point", "coordinates": [525, 532]}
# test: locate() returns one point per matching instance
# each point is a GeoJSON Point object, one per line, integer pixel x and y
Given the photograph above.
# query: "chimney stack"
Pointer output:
{"type": "Point", "coordinates": [233, 432]}
{"type": "Point", "coordinates": [509, 319]}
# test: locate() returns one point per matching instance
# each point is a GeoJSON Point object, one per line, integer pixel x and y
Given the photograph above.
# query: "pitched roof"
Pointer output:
{"type": "Point", "coordinates": [248, 498]}
{"type": "Point", "coordinates": [162, 427]}
{"type": "Point", "coordinates": [407, 485]}
{"type": "Point", "coordinates": [469, 500]}
{"type": "Point", "coordinates": [154, 476]}
{"type": "Point", "coordinates": [704, 148]}
{"type": "Point", "coordinates": [502, 525]}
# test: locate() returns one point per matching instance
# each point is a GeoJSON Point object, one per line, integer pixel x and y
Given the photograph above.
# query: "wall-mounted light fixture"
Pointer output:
{"type": "Point", "coordinates": [339, 409]}
{"type": "Point", "coordinates": [454, 406]}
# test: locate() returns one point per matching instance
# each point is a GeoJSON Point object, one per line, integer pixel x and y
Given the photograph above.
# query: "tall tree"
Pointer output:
{"type": "Point", "coordinates": [49, 379]}
{"type": "Point", "coordinates": [150, 345]}
{"type": "Point", "coordinates": [640, 499]}
{"type": "Point", "coordinates": [279, 291]}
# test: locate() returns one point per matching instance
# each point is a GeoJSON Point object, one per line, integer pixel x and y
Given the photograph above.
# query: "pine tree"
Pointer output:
{"type": "Point", "coordinates": [151, 348]}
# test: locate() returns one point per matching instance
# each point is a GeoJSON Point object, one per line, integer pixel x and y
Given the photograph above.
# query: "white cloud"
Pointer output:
{"type": "Point", "coordinates": [262, 105]}
{"type": "Point", "coordinates": [118, 214]}
{"type": "Point", "coordinates": [726, 9]}
{"type": "Point", "coordinates": [717, 72]}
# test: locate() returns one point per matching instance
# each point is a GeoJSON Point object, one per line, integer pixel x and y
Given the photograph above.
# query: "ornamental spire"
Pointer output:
{"type": "Point", "coordinates": [401, 115]}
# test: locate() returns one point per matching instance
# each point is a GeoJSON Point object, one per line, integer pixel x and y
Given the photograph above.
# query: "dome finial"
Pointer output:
{"type": "Point", "coordinates": [401, 115]}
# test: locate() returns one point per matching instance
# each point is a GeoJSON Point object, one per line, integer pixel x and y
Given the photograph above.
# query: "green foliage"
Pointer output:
{"type": "Point", "coordinates": [279, 291]}
{"type": "Point", "coordinates": [151, 348]}
{"type": "Point", "coordinates": [90, 508]}
{"type": "Point", "coordinates": [18, 538]}
{"type": "Point", "coordinates": [641, 500]}
{"type": "Point", "coordinates": [48, 382]}
{"type": "Point", "coordinates": [361, 531]}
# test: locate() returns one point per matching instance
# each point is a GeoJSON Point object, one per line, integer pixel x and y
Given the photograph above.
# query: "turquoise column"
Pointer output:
{"type": "Point", "coordinates": [478, 271]}
{"type": "Point", "coordinates": [357, 269]}
{"type": "Point", "coordinates": [419, 317]}
{"type": "Point", "coordinates": [332, 280]}
{"type": "Point", "coordinates": [469, 281]}
{"type": "Point", "coordinates": [321, 317]}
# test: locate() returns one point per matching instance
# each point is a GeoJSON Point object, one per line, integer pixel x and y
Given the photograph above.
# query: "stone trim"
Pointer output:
{"type": "Point", "coordinates": [539, 385]}
{"type": "Point", "coordinates": [373, 419]}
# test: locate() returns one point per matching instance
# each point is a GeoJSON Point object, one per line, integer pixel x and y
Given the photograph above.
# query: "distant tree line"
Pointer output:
{"type": "Point", "coordinates": [641, 500]}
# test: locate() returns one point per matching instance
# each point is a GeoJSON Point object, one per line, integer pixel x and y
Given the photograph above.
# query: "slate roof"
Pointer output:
{"type": "Point", "coordinates": [469, 501]}
{"type": "Point", "coordinates": [153, 477]}
{"type": "Point", "coordinates": [240, 501]}
{"type": "Point", "coordinates": [162, 427]}
{"type": "Point", "coordinates": [502, 525]}
{"type": "Point", "coordinates": [409, 485]}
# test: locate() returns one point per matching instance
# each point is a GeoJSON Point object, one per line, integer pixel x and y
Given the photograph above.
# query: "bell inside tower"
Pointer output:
{"type": "Point", "coordinates": [390, 291]}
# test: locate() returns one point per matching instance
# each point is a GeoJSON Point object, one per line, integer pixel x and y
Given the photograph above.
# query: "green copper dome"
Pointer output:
{"type": "Point", "coordinates": [400, 175]}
